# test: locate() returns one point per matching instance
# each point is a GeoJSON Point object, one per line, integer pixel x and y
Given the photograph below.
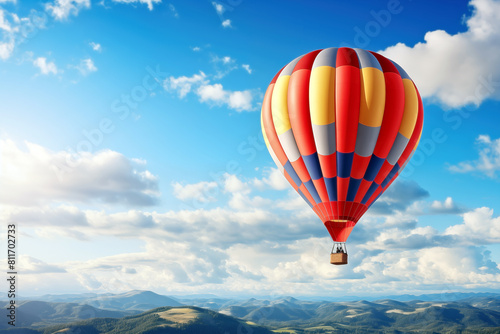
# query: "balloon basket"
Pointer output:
{"type": "Point", "coordinates": [339, 253]}
{"type": "Point", "coordinates": [338, 258]}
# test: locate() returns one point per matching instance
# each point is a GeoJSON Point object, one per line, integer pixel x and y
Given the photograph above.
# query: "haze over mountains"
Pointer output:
{"type": "Point", "coordinates": [148, 312]}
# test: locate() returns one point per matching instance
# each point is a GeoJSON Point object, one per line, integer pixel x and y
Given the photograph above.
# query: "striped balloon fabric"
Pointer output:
{"type": "Point", "coordinates": [341, 124]}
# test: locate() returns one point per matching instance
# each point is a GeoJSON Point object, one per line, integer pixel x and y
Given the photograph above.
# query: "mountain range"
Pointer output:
{"type": "Point", "coordinates": [148, 312]}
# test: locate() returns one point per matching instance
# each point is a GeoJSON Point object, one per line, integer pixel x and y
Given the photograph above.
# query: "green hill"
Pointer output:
{"type": "Point", "coordinates": [175, 320]}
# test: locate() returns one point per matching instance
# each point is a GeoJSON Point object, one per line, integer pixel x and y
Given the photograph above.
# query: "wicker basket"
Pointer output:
{"type": "Point", "coordinates": [338, 258]}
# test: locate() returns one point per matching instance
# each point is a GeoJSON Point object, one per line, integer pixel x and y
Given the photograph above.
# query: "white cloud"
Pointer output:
{"type": "Point", "coordinates": [237, 100]}
{"type": "Point", "coordinates": [210, 93]}
{"type": "Point", "coordinates": [196, 49]}
{"type": "Point", "coordinates": [223, 66]}
{"type": "Point", "coordinates": [30, 265]}
{"type": "Point", "coordinates": [39, 175]}
{"type": "Point", "coordinates": [226, 23]}
{"type": "Point", "coordinates": [219, 8]}
{"type": "Point", "coordinates": [232, 184]}
{"type": "Point", "coordinates": [173, 10]}
{"type": "Point", "coordinates": [479, 227]}
{"type": "Point", "coordinates": [95, 46]}
{"type": "Point", "coordinates": [247, 68]}
{"type": "Point", "coordinates": [44, 66]}
{"type": "Point", "coordinates": [201, 191]}
{"type": "Point", "coordinates": [62, 9]}
{"type": "Point", "coordinates": [184, 84]}
{"type": "Point", "coordinates": [6, 49]}
{"type": "Point", "coordinates": [488, 162]}
{"type": "Point", "coordinates": [421, 208]}
{"type": "Point", "coordinates": [273, 179]}
{"type": "Point", "coordinates": [213, 92]}
{"type": "Point", "coordinates": [62, 215]}
{"type": "Point", "coordinates": [86, 66]}
{"type": "Point", "coordinates": [457, 69]}
{"type": "Point", "coordinates": [149, 3]}
{"type": "Point", "coordinates": [445, 206]}
{"type": "Point", "coordinates": [15, 29]}
{"type": "Point", "coordinates": [435, 266]}
{"type": "Point", "coordinates": [4, 24]}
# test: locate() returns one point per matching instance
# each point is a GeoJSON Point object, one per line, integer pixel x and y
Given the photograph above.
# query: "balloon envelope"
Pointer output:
{"type": "Point", "coordinates": [341, 124]}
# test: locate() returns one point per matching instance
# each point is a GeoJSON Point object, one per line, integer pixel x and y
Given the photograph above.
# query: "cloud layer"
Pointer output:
{"type": "Point", "coordinates": [233, 237]}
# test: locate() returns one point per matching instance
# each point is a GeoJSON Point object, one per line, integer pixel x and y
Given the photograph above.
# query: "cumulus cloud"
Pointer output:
{"type": "Point", "coordinates": [30, 265]}
{"type": "Point", "coordinates": [201, 191]}
{"type": "Point", "coordinates": [62, 9]}
{"type": "Point", "coordinates": [488, 162]}
{"type": "Point", "coordinates": [223, 66]}
{"type": "Point", "coordinates": [44, 66]}
{"type": "Point", "coordinates": [148, 3]}
{"type": "Point", "coordinates": [272, 178]}
{"type": "Point", "coordinates": [219, 8]}
{"type": "Point", "coordinates": [435, 266]}
{"type": "Point", "coordinates": [214, 94]}
{"type": "Point", "coordinates": [407, 238]}
{"type": "Point", "coordinates": [6, 48]}
{"type": "Point", "coordinates": [86, 66]}
{"type": "Point", "coordinates": [479, 227]}
{"type": "Point", "coordinates": [38, 175]}
{"type": "Point", "coordinates": [15, 29]}
{"type": "Point", "coordinates": [95, 46]}
{"type": "Point", "coordinates": [4, 23]}
{"type": "Point", "coordinates": [233, 184]}
{"type": "Point", "coordinates": [247, 68]}
{"type": "Point", "coordinates": [183, 84]}
{"type": "Point", "coordinates": [447, 206]}
{"type": "Point", "coordinates": [62, 215]}
{"type": "Point", "coordinates": [458, 69]}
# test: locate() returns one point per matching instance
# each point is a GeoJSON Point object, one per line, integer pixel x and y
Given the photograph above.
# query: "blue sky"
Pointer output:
{"type": "Point", "coordinates": [132, 155]}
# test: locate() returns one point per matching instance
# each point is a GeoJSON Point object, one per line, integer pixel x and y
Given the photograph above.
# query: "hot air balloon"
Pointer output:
{"type": "Point", "coordinates": [341, 124]}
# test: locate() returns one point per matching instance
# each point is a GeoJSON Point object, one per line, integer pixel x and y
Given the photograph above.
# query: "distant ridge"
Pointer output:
{"type": "Point", "coordinates": [141, 300]}
{"type": "Point", "coordinates": [132, 300]}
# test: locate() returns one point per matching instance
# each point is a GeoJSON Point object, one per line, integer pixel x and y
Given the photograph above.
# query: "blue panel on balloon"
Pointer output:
{"type": "Point", "coordinates": [389, 177]}
{"type": "Point", "coordinates": [373, 168]}
{"type": "Point", "coordinates": [353, 189]}
{"type": "Point", "coordinates": [331, 188]}
{"type": "Point", "coordinates": [376, 198]}
{"type": "Point", "coordinates": [344, 164]}
{"type": "Point", "coordinates": [312, 190]}
{"type": "Point", "coordinates": [313, 167]}
{"type": "Point", "coordinates": [370, 192]}
{"type": "Point", "coordinates": [289, 169]}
